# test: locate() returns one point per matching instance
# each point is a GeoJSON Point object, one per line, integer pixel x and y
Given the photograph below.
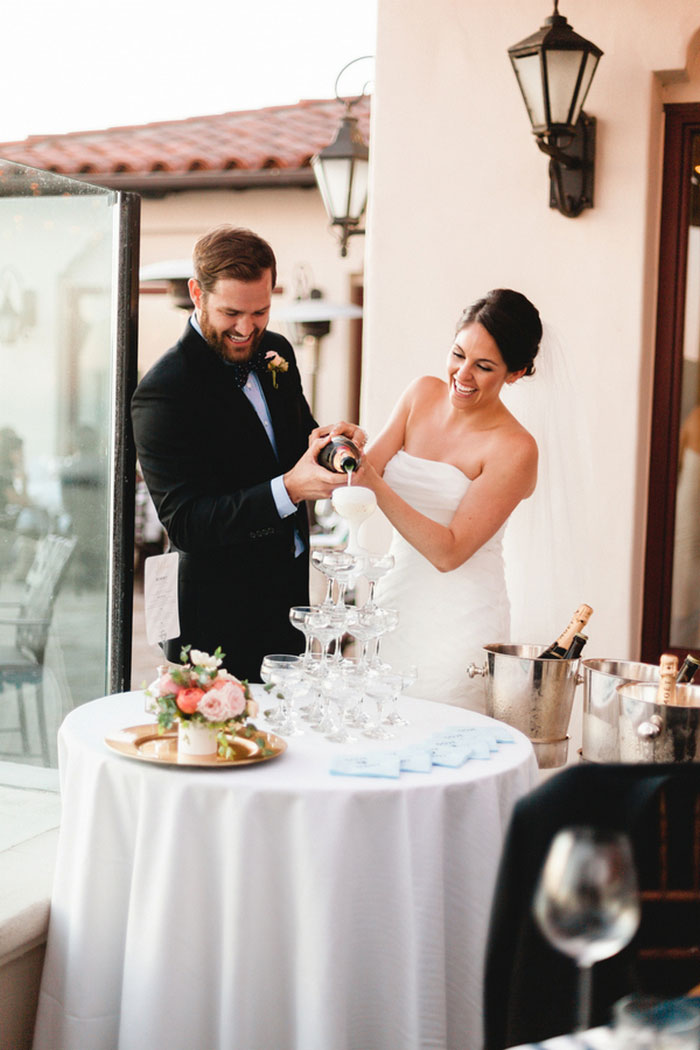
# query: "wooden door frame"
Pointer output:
{"type": "Point", "coordinates": [682, 122]}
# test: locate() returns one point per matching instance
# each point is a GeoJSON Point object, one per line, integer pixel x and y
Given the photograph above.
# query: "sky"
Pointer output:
{"type": "Point", "coordinates": [93, 64]}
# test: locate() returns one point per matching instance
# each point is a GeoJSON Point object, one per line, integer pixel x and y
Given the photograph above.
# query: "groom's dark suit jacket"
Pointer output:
{"type": "Point", "coordinates": [207, 462]}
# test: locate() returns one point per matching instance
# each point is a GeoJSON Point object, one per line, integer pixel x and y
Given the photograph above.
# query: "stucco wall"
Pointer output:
{"type": "Point", "coordinates": [459, 204]}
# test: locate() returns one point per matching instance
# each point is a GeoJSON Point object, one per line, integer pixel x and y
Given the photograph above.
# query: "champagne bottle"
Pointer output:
{"type": "Point", "coordinates": [668, 669]}
{"type": "Point", "coordinates": [340, 455]}
{"type": "Point", "coordinates": [688, 670]}
{"type": "Point", "coordinates": [574, 650]}
{"type": "Point", "coordinates": [559, 648]}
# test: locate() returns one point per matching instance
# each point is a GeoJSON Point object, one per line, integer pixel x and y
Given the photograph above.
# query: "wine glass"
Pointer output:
{"type": "Point", "coordinates": [587, 903]}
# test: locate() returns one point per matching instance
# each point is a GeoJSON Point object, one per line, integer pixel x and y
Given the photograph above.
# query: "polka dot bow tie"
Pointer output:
{"type": "Point", "coordinates": [241, 371]}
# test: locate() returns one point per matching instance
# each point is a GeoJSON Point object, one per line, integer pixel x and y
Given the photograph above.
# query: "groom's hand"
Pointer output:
{"type": "Point", "coordinates": [308, 479]}
{"type": "Point", "coordinates": [350, 430]}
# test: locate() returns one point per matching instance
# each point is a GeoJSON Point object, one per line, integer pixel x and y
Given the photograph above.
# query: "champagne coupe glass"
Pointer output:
{"type": "Point", "coordinates": [323, 627]}
{"type": "Point", "coordinates": [282, 671]}
{"type": "Point", "coordinates": [355, 503]}
{"type": "Point", "coordinates": [374, 566]}
{"type": "Point", "coordinates": [354, 673]}
{"type": "Point", "coordinates": [344, 575]}
{"type": "Point", "coordinates": [298, 618]}
{"type": "Point", "coordinates": [339, 692]}
{"type": "Point", "coordinates": [325, 722]}
{"type": "Point", "coordinates": [587, 903]}
{"type": "Point", "coordinates": [271, 714]}
{"type": "Point", "coordinates": [336, 566]}
{"type": "Point", "coordinates": [331, 625]}
{"type": "Point", "coordinates": [343, 617]}
{"type": "Point", "coordinates": [313, 673]}
{"type": "Point", "coordinates": [381, 685]}
{"type": "Point", "coordinates": [389, 622]}
{"type": "Point", "coordinates": [367, 624]}
{"type": "Point", "coordinates": [408, 676]}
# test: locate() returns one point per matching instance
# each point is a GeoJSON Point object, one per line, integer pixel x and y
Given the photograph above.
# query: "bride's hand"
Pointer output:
{"type": "Point", "coordinates": [365, 475]}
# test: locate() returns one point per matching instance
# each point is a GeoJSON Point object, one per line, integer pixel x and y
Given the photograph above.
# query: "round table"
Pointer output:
{"type": "Point", "coordinates": [275, 906]}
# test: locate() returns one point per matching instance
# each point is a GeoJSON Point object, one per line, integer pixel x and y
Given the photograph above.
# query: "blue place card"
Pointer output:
{"type": "Point", "coordinates": [374, 764]}
{"type": "Point", "coordinates": [450, 755]}
{"type": "Point", "coordinates": [416, 760]}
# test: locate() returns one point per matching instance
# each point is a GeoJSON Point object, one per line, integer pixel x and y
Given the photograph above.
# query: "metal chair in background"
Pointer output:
{"type": "Point", "coordinates": [22, 661]}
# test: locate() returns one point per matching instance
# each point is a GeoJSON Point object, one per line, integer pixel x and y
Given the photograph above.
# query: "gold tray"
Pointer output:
{"type": "Point", "coordinates": [148, 745]}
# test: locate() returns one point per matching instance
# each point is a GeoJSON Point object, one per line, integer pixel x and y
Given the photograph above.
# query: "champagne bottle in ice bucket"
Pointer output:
{"type": "Point", "coordinates": [341, 455]}
{"type": "Point", "coordinates": [559, 648]}
{"type": "Point", "coordinates": [574, 650]}
{"type": "Point", "coordinates": [688, 670]}
{"type": "Point", "coordinates": [668, 670]}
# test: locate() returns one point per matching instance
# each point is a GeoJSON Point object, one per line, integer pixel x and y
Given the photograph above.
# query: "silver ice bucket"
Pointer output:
{"type": "Point", "coordinates": [651, 732]}
{"type": "Point", "coordinates": [532, 695]}
{"type": "Point", "coordinates": [600, 740]}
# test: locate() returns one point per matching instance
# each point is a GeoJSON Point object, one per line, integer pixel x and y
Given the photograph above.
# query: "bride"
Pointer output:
{"type": "Point", "coordinates": [448, 469]}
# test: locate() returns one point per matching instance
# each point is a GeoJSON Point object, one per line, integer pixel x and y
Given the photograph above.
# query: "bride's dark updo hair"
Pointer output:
{"type": "Point", "coordinates": [512, 322]}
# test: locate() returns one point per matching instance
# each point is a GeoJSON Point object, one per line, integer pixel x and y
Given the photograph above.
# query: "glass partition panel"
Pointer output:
{"type": "Point", "coordinates": [66, 465]}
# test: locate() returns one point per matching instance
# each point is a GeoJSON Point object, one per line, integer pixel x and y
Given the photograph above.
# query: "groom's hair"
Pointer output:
{"type": "Point", "coordinates": [231, 251]}
{"type": "Point", "coordinates": [512, 322]}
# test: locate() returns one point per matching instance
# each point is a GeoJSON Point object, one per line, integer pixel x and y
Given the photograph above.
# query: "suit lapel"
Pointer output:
{"type": "Point", "coordinates": [220, 385]}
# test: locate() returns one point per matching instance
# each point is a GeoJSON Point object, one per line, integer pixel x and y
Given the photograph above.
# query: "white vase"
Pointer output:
{"type": "Point", "coordinates": [194, 738]}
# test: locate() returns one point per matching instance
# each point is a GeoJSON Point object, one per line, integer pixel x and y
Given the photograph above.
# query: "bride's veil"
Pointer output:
{"type": "Point", "coordinates": [547, 539]}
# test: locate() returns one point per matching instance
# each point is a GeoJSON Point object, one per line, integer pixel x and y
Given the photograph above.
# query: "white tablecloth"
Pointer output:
{"type": "Point", "coordinates": [273, 907]}
{"type": "Point", "coordinates": [594, 1039]}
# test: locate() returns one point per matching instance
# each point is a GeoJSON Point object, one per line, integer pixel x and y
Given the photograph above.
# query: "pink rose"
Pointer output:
{"type": "Point", "coordinates": [188, 700]}
{"type": "Point", "coordinates": [222, 702]}
{"type": "Point", "coordinates": [167, 685]}
{"type": "Point", "coordinates": [222, 679]}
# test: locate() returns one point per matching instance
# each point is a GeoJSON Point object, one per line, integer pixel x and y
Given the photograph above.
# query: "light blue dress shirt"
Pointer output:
{"type": "Point", "coordinates": [254, 392]}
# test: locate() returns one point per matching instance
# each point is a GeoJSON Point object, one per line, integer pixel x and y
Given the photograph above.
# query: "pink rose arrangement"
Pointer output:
{"type": "Point", "coordinates": [201, 690]}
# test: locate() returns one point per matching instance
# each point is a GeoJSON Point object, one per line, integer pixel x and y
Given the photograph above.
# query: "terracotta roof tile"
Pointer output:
{"type": "Point", "coordinates": [277, 138]}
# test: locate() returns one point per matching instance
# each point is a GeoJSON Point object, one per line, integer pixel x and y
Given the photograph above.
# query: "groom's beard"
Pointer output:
{"type": "Point", "coordinates": [223, 347]}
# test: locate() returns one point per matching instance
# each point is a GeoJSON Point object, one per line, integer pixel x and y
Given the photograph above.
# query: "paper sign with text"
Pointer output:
{"type": "Point", "coordinates": [160, 594]}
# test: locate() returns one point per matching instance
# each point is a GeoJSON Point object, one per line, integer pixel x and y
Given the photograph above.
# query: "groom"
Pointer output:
{"type": "Point", "coordinates": [227, 446]}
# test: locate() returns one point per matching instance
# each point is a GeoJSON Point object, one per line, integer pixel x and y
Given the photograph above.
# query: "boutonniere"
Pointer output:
{"type": "Point", "coordinates": [275, 364]}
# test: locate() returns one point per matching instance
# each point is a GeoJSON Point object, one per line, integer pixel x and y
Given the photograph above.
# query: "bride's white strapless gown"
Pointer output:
{"type": "Point", "coordinates": [444, 617]}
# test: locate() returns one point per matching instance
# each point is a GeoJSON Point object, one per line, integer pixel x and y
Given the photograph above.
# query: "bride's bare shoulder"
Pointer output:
{"type": "Point", "coordinates": [427, 387]}
{"type": "Point", "coordinates": [518, 445]}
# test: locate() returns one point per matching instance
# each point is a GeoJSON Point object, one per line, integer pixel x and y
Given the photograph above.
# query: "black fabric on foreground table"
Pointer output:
{"type": "Point", "coordinates": [530, 988]}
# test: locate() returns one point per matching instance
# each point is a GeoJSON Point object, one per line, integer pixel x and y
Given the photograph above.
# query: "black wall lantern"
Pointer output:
{"type": "Point", "coordinates": [554, 68]}
{"type": "Point", "coordinates": [342, 171]}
